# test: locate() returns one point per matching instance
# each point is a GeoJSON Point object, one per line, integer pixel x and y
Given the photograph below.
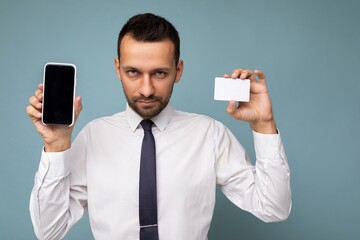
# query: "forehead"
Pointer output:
{"type": "Point", "coordinates": [133, 52]}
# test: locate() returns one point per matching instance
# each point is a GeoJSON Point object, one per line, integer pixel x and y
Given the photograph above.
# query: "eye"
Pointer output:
{"type": "Point", "coordinates": [160, 74]}
{"type": "Point", "coordinates": [132, 73]}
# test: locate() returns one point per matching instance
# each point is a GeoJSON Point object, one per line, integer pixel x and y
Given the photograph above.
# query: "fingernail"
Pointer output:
{"type": "Point", "coordinates": [232, 104]}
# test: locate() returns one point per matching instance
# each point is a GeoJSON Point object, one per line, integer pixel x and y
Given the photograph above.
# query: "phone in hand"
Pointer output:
{"type": "Point", "coordinates": [59, 93]}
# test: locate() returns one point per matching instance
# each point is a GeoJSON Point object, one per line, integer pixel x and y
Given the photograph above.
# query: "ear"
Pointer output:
{"type": "Point", "coordinates": [117, 68]}
{"type": "Point", "coordinates": [179, 70]}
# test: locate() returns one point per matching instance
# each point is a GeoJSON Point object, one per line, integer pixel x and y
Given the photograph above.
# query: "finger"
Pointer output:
{"type": "Point", "coordinates": [248, 74]}
{"type": "Point", "coordinates": [227, 76]}
{"type": "Point", "coordinates": [231, 108]}
{"type": "Point", "coordinates": [236, 73]}
{"type": "Point", "coordinates": [261, 76]}
{"type": "Point", "coordinates": [35, 102]}
{"type": "Point", "coordinates": [39, 95]}
{"type": "Point", "coordinates": [33, 113]}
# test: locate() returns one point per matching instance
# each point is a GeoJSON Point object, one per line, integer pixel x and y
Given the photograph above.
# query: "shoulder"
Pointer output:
{"type": "Point", "coordinates": [195, 119]}
{"type": "Point", "coordinates": [188, 116]}
{"type": "Point", "coordinates": [117, 120]}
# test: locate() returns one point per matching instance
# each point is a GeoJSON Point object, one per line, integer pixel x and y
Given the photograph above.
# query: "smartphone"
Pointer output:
{"type": "Point", "coordinates": [59, 93]}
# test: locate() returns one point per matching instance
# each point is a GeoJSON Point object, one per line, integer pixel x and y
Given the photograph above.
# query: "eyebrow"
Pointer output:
{"type": "Point", "coordinates": [161, 69]}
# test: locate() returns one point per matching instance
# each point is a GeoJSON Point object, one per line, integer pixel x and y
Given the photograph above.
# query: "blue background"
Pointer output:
{"type": "Point", "coordinates": [310, 51]}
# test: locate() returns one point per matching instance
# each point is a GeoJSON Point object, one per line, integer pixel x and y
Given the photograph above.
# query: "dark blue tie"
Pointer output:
{"type": "Point", "coordinates": [147, 193]}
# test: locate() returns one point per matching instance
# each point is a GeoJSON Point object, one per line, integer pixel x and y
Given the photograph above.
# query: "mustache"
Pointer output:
{"type": "Point", "coordinates": [150, 98]}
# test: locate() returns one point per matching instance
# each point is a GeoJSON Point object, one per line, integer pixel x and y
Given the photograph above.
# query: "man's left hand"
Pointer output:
{"type": "Point", "coordinates": [258, 111]}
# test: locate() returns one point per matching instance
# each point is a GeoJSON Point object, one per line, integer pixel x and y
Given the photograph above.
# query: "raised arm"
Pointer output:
{"type": "Point", "coordinates": [54, 208]}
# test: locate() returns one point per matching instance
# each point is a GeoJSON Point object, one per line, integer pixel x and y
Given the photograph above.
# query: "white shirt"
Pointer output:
{"type": "Point", "coordinates": [100, 173]}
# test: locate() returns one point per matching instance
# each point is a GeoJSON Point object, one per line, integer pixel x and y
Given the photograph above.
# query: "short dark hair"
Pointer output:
{"type": "Point", "coordinates": [149, 27]}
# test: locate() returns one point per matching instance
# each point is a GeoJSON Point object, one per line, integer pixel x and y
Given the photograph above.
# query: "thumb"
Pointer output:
{"type": "Point", "coordinates": [78, 106]}
{"type": "Point", "coordinates": [231, 108]}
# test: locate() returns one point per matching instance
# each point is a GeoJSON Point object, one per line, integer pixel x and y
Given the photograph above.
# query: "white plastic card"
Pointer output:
{"type": "Point", "coordinates": [227, 89]}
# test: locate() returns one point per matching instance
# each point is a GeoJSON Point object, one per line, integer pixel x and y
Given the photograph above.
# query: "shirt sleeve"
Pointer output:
{"type": "Point", "coordinates": [262, 189]}
{"type": "Point", "coordinates": [56, 203]}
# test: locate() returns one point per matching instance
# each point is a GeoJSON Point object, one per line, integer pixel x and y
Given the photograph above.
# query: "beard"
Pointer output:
{"type": "Point", "coordinates": [148, 112]}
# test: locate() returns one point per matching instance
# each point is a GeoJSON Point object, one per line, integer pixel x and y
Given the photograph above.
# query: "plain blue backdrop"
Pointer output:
{"type": "Point", "coordinates": [309, 50]}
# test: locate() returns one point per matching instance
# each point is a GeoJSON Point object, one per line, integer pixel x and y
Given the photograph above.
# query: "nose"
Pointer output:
{"type": "Point", "coordinates": [146, 88]}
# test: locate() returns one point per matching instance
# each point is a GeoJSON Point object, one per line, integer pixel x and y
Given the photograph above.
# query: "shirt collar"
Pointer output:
{"type": "Point", "coordinates": [161, 120]}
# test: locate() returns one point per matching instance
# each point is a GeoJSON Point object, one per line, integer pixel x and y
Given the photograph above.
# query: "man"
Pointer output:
{"type": "Point", "coordinates": [100, 171]}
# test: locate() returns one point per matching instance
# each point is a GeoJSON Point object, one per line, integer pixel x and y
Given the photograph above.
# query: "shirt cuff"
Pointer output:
{"type": "Point", "coordinates": [268, 146]}
{"type": "Point", "coordinates": [54, 164]}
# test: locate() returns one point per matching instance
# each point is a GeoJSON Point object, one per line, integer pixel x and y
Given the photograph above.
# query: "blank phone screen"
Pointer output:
{"type": "Point", "coordinates": [59, 83]}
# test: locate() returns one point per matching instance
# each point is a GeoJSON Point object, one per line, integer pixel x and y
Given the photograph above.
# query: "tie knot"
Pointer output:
{"type": "Point", "coordinates": [146, 124]}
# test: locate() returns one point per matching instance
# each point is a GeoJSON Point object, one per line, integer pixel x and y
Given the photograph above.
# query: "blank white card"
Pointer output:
{"type": "Point", "coordinates": [227, 89]}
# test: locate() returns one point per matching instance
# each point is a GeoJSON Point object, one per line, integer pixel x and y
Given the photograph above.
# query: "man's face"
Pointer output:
{"type": "Point", "coordinates": [147, 72]}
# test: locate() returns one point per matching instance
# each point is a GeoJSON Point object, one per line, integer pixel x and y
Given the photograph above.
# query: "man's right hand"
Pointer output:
{"type": "Point", "coordinates": [57, 138]}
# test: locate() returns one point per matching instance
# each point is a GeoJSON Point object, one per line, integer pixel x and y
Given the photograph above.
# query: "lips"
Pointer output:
{"type": "Point", "coordinates": [149, 100]}
{"type": "Point", "coordinates": [147, 103]}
